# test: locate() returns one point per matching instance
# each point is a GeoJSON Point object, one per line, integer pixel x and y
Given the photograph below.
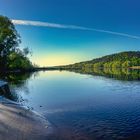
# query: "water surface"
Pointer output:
{"type": "Point", "coordinates": [81, 106]}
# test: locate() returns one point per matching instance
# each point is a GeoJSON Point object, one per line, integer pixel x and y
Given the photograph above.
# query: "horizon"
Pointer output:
{"type": "Point", "coordinates": [59, 34]}
{"type": "Point", "coordinates": [91, 58]}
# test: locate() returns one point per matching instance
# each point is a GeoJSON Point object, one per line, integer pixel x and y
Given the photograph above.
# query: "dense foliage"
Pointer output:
{"type": "Point", "coordinates": [118, 60]}
{"type": "Point", "coordinates": [118, 66]}
{"type": "Point", "coordinates": [11, 57]}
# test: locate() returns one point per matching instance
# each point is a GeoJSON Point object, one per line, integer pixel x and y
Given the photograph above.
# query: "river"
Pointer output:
{"type": "Point", "coordinates": [82, 106]}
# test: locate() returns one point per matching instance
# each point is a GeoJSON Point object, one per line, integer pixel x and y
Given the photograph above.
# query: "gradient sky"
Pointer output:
{"type": "Point", "coordinates": [57, 46]}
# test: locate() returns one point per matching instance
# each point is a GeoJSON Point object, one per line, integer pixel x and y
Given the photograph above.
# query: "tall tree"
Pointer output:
{"type": "Point", "coordinates": [9, 40]}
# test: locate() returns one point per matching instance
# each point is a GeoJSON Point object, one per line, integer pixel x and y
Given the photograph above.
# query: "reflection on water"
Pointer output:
{"type": "Point", "coordinates": [84, 106]}
{"type": "Point", "coordinates": [116, 73]}
{"type": "Point", "coordinates": [17, 80]}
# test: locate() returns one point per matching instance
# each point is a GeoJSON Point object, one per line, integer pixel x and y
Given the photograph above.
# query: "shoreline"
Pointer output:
{"type": "Point", "coordinates": [20, 123]}
{"type": "Point", "coordinates": [135, 68]}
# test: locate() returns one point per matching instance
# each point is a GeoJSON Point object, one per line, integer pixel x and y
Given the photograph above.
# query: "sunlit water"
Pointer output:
{"type": "Point", "coordinates": [84, 107]}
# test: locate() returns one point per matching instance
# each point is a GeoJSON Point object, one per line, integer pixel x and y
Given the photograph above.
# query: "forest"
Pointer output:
{"type": "Point", "coordinates": [130, 59]}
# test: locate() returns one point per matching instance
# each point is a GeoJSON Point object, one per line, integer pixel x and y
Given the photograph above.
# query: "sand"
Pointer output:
{"type": "Point", "coordinates": [19, 123]}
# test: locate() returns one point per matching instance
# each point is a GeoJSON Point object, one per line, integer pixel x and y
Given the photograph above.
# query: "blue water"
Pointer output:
{"type": "Point", "coordinates": [84, 107]}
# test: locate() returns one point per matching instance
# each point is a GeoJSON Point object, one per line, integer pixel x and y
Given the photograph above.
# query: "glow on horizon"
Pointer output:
{"type": "Point", "coordinates": [56, 60]}
{"type": "Point", "coordinates": [57, 57]}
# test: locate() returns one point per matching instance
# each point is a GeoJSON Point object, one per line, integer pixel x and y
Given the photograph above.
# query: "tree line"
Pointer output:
{"type": "Point", "coordinates": [118, 60]}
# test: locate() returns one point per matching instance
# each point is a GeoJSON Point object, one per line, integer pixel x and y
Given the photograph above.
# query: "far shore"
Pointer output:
{"type": "Point", "coordinates": [135, 67]}
{"type": "Point", "coordinates": [52, 68]}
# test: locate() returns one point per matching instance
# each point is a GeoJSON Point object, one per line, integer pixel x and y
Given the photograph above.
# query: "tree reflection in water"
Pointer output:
{"type": "Point", "coordinates": [19, 81]}
{"type": "Point", "coordinates": [118, 74]}
{"type": "Point", "coordinates": [16, 81]}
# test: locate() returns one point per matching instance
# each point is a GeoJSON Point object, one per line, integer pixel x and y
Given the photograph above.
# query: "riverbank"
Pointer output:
{"type": "Point", "coordinates": [19, 123]}
{"type": "Point", "coordinates": [135, 67]}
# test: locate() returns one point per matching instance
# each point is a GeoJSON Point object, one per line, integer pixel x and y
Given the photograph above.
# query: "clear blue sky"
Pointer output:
{"type": "Point", "coordinates": [56, 46]}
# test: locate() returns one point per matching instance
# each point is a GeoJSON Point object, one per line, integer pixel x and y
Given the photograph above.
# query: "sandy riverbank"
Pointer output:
{"type": "Point", "coordinates": [18, 123]}
{"type": "Point", "coordinates": [135, 67]}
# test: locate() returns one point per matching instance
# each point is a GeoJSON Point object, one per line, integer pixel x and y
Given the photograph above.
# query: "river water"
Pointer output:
{"type": "Point", "coordinates": [82, 106]}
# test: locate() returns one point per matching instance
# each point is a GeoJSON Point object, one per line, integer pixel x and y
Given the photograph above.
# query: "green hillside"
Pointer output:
{"type": "Point", "coordinates": [118, 60]}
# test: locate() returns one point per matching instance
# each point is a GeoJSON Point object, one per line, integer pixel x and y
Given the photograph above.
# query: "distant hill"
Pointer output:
{"type": "Point", "coordinates": [118, 60]}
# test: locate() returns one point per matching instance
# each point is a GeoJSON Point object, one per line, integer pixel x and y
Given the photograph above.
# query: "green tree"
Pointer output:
{"type": "Point", "coordinates": [9, 40]}
{"type": "Point", "coordinates": [19, 60]}
{"type": "Point", "coordinates": [126, 64]}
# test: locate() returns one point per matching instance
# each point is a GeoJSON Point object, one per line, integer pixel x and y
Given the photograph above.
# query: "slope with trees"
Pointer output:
{"type": "Point", "coordinates": [119, 60]}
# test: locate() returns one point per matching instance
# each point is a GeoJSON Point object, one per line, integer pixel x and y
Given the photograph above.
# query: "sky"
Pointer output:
{"type": "Point", "coordinates": [60, 32]}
